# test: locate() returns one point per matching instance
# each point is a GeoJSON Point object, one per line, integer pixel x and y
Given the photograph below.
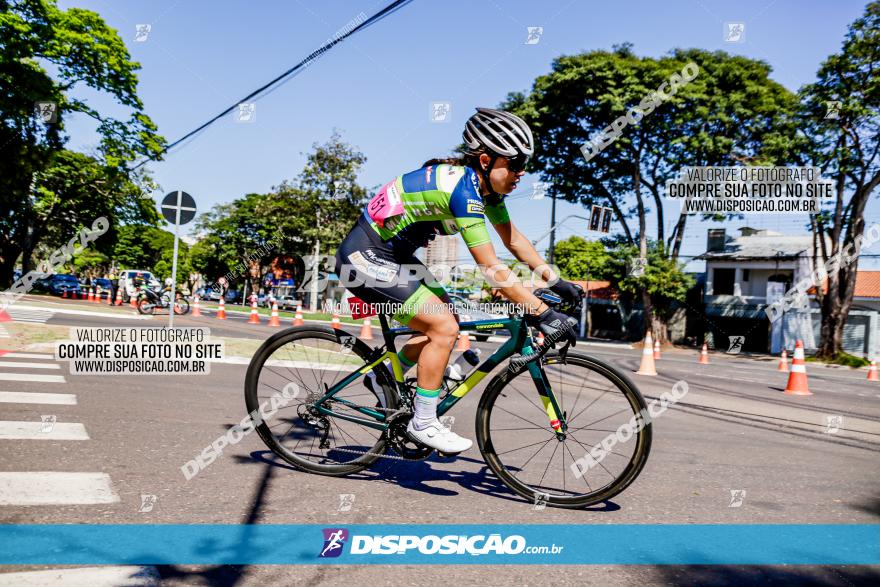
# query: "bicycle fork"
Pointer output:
{"type": "Point", "coordinates": [555, 415]}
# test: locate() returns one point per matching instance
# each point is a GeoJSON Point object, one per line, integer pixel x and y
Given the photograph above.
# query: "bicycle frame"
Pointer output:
{"type": "Point", "coordinates": [519, 342]}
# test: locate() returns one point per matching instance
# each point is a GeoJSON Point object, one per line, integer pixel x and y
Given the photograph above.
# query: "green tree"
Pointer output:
{"type": "Point", "coordinates": [846, 149]}
{"type": "Point", "coordinates": [664, 278]}
{"type": "Point", "coordinates": [41, 184]}
{"type": "Point", "coordinates": [580, 259]}
{"type": "Point", "coordinates": [314, 212]}
{"type": "Point", "coordinates": [233, 232]}
{"type": "Point", "coordinates": [730, 112]}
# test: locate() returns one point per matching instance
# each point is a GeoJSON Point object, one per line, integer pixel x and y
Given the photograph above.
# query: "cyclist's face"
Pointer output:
{"type": "Point", "coordinates": [505, 174]}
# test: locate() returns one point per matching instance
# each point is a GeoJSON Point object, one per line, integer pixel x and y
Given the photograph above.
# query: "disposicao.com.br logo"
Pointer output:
{"type": "Point", "coordinates": [479, 544]}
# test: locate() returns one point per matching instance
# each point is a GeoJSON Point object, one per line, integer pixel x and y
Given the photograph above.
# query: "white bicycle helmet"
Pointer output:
{"type": "Point", "coordinates": [500, 132]}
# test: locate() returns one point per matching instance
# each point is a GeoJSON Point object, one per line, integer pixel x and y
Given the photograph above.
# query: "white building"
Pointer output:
{"type": "Point", "coordinates": [744, 274]}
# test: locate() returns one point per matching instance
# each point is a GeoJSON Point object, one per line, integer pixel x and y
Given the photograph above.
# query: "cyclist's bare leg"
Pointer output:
{"type": "Point", "coordinates": [440, 331]}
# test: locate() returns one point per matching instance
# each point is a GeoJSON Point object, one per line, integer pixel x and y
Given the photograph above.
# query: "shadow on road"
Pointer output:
{"type": "Point", "coordinates": [229, 575]}
{"type": "Point", "coordinates": [419, 475]}
{"type": "Point", "coordinates": [767, 575]}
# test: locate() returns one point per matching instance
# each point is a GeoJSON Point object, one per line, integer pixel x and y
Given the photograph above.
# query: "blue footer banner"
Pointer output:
{"type": "Point", "coordinates": [759, 544]}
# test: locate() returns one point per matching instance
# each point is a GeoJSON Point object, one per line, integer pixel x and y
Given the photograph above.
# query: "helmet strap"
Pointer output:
{"type": "Point", "coordinates": [485, 174]}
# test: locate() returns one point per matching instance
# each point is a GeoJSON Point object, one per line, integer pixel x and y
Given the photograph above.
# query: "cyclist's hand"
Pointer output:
{"type": "Point", "coordinates": [570, 293]}
{"type": "Point", "coordinates": [557, 327]}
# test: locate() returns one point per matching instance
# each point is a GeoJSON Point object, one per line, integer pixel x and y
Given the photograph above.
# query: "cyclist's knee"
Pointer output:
{"type": "Point", "coordinates": [444, 332]}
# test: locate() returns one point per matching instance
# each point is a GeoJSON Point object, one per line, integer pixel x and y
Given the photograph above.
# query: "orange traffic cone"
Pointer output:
{"type": "Point", "coordinates": [367, 330]}
{"type": "Point", "coordinates": [464, 342]}
{"type": "Point", "coordinates": [91, 294]}
{"type": "Point", "coordinates": [109, 297]}
{"type": "Point", "coordinates": [783, 362]}
{"type": "Point", "coordinates": [656, 350]}
{"type": "Point", "coordinates": [97, 296]}
{"type": "Point", "coordinates": [221, 311]}
{"type": "Point", "coordinates": [64, 294]}
{"type": "Point", "coordinates": [797, 379]}
{"type": "Point", "coordinates": [255, 315]}
{"type": "Point", "coordinates": [647, 366]}
{"type": "Point", "coordinates": [298, 318]}
{"type": "Point", "coordinates": [872, 372]}
{"type": "Point", "coordinates": [704, 355]}
{"type": "Point", "coordinates": [132, 301]}
{"type": "Point", "coordinates": [335, 322]}
{"type": "Point", "coordinates": [197, 311]}
{"type": "Point", "coordinates": [274, 320]}
{"type": "Point", "coordinates": [118, 296]}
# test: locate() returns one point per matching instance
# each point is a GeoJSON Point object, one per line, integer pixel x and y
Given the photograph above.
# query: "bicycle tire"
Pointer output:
{"type": "Point", "coordinates": [626, 477]}
{"type": "Point", "coordinates": [252, 401]}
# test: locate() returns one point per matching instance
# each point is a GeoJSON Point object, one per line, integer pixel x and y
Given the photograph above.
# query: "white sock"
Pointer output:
{"type": "Point", "coordinates": [425, 407]}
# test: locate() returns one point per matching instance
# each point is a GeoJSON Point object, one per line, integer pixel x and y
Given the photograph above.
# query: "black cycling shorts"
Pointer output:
{"type": "Point", "coordinates": [377, 274]}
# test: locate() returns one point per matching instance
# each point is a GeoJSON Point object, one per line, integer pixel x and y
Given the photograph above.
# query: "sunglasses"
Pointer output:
{"type": "Point", "coordinates": [517, 164]}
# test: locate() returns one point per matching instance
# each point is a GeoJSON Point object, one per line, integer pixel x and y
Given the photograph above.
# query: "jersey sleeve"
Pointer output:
{"type": "Point", "coordinates": [496, 212]}
{"type": "Point", "coordinates": [467, 209]}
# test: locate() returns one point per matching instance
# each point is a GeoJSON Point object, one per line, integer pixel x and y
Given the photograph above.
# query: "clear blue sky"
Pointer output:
{"type": "Point", "coordinates": [376, 87]}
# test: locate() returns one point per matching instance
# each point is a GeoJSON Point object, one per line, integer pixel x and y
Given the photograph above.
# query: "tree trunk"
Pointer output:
{"type": "Point", "coordinates": [8, 256]}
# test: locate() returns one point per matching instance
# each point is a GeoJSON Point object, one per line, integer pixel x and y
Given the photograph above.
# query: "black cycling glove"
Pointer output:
{"type": "Point", "coordinates": [570, 293]}
{"type": "Point", "coordinates": [557, 327]}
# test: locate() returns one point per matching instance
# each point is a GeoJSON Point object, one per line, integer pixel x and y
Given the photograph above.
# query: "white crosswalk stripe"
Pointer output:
{"type": "Point", "coordinates": [84, 577]}
{"type": "Point", "coordinates": [55, 488]}
{"type": "Point", "coordinates": [39, 430]}
{"type": "Point", "coordinates": [26, 397]}
{"type": "Point", "coordinates": [27, 315]}
{"type": "Point", "coordinates": [19, 365]}
{"type": "Point", "coordinates": [32, 377]}
{"type": "Point", "coordinates": [48, 488]}
{"type": "Point", "coordinates": [17, 355]}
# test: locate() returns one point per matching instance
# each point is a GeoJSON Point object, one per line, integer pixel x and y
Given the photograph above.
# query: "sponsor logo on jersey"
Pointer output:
{"type": "Point", "coordinates": [474, 207]}
{"type": "Point", "coordinates": [428, 171]}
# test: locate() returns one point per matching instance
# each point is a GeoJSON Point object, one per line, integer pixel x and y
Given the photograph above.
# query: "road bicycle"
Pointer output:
{"type": "Point", "coordinates": [543, 410]}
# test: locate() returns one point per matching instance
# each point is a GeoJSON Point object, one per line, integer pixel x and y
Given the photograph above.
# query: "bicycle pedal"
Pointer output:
{"type": "Point", "coordinates": [448, 454]}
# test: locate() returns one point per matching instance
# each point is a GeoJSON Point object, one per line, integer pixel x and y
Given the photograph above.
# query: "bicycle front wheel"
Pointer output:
{"type": "Point", "coordinates": [518, 443]}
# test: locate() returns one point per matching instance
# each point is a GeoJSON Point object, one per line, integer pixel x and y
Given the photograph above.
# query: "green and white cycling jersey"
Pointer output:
{"type": "Point", "coordinates": [444, 199]}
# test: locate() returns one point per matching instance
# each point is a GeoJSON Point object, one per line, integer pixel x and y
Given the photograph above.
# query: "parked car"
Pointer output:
{"type": "Point", "coordinates": [233, 296]}
{"type": "Point", "coordinates": [103, 285]}
{"type": "Point", "coordinates": [126, 282]}
{"type": "Point", "coordinates": [59, 283]}
{"type": "Point", "coordinates": [468, 312]}
{"type": "Point", "coordinates": [208, 294]}
{"type": "Point", "coordinates": [288, 302]}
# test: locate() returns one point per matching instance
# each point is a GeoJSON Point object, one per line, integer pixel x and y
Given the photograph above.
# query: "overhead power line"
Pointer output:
{"type": "Point", "coordinates": [284, 77]}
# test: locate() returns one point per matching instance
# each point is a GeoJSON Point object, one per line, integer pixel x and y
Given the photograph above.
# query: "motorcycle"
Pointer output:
{"type": "Point", "coordinates": [148, 300]}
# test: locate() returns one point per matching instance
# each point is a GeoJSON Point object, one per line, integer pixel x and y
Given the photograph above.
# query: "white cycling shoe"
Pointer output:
{"type": "Point", "coordinates": [439, 437]}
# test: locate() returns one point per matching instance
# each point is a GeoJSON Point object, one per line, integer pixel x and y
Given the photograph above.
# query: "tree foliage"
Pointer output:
{"type": "Point", "coordinates": [45, 190]}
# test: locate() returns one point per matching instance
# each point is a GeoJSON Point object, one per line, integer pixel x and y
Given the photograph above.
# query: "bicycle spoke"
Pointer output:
{"type": "Point", "coordinates": [524, 446]}
{"type": "Point", "coordinates": [585, 386]}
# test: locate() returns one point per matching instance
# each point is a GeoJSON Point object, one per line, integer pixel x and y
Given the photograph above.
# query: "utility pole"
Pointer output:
{"type": "Point", "coordinates": [552, 228]}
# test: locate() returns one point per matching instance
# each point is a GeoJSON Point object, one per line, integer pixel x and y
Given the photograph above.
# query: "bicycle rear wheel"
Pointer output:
{"type": "Point", "coordinates": [517, 442]}
{"type": "Point", "coordinates": [314, 359]}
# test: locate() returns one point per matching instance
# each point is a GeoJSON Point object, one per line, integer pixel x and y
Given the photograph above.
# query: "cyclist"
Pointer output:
{"type": "Point", "coordinates": [376, 260]}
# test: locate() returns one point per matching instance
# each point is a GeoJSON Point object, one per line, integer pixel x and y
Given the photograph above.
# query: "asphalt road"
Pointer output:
{"type": "Point", "coordinates": [734, 431]}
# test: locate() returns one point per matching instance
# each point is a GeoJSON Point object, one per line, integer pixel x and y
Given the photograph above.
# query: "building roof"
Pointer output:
{"type": "Point", "coordinates": [867, 285]}
{"type": "Point", "coordinates": [764, 246]}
